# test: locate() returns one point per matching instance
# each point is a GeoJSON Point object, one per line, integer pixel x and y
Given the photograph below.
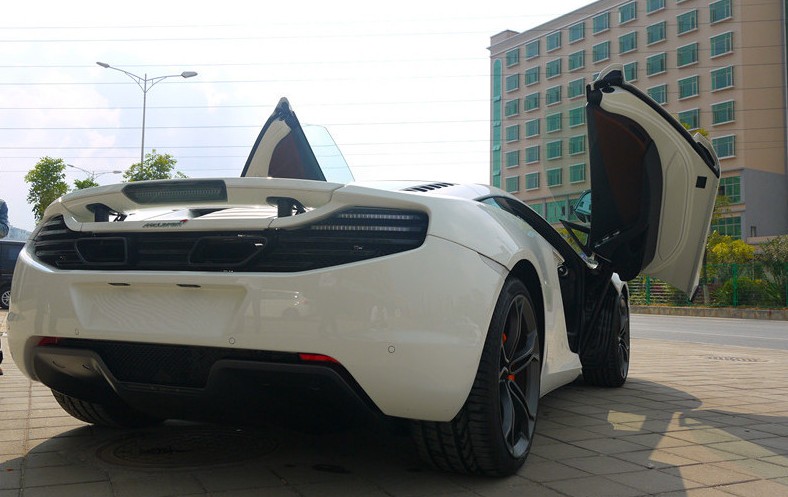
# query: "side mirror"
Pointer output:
{"type": "Point", "coordinates": [582, 207]}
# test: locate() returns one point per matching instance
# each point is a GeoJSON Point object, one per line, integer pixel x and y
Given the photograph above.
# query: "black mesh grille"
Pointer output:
{"type": "Point", "coordinates": [349, 236]}
{"type": "Point", "coordinates": [169, 365]}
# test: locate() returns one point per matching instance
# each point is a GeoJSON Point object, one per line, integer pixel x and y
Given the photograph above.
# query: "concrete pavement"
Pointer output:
{"type": "Point", "coordinates": [693, 420]}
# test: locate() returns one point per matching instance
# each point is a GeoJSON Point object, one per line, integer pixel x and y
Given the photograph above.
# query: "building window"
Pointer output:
{"type": "Point", "coordinates": [513, 57]}
{"type": "Point", "coordinates": [531, 128]}
{"type": "Point", "coordinates": [554, 177]}
{"type": "Point", "coordinates": [600, 51]}
{"type": "Point", "coordinates": [531, 101]}
{"type": "Point", "coordinates": [730, 226]}
{"type": "Point", "coordinates": [556, 211]}
{"type": "Point", "coordinates": [654, 5]}
{"type": "Point", "coordinates": [513, 158]}
{"type": "Point", "coordinates": [659, 93]}
{"type": "Point", "coordinates": [513, 184]}
{"type": "Point", "coordinates": [721, 44]}
{"type": "Point", "coordinates": [577, 145]}
{"type": "Point", "coordinates": [722, 78]}
{"type": "Point", "coordinates": [553, 122]}
{"type": "Point", "coordinates": [532, 181]}
{"type": "Point", "coordinates": [719, 11]}
{"type": "Point", "coordinates": [577, 173]}
{"type": "Point", "coordinates": [577, 117]}
{"type": "Point", "coordinates": [511, 108]}
{"type": "Point", "coordinates": [656, 64]}
{"type": "Point", "coordinates": [730, 187]}
{"type": "Point", "coordinates": [513, 133]}
{"type": "Point", "coordinates": [552, 95]}
{"type": "Point", "coordinates": [554, 149]}
{"type": "Point", "coordinates": [576, 60]}
{"type": "Point", "coordinates": [577, 32]}
{"type": "Point", "coordinates": [687, 22]}
{"type": "Point", "coordinates": [601, 22]}
{"type": "Point", "coordinates": [688, 54]}
{"type": "Point", "coordinates": [722, 112]}
{"type": "Point", "coordinates": [627, 12]}
{"type": "Point", "coordinates": [656, 33]}
{"type": "Point", "coordinates": [512, 82]}
{"type": "Point", "coordinates": [576, 88]}
{"type": "Point", "coordinates": [724, 146]}
{"type": "Point", "coordinates": [690, 118]}
{"type": "Point", "coordinates": [532, 76]}
{"type": "Point", "coordinates": [631, 72]}
{"type": "Point", "coordinates": [688, 87]}
{"type": "Point", "coordinates": [532, 154]}
{"type": "Point", "coordinates": [532, 49]}
{"type": "Point", "coordinates": [627, 42]}
{"type": "Point", "coordinates": [552, 69]}
{"type": "Point", "coordinates": [537, 207]}
{"type": "Point", "coordinates": [553, 41]}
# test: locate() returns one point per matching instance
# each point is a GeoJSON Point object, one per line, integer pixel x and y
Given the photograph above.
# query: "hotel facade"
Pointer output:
{"type": "Point", "coordinates": [717, 66]}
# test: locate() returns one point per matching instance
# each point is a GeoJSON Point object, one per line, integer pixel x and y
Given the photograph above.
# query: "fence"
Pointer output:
{"type": "Point", "coordinates": [721, 285]}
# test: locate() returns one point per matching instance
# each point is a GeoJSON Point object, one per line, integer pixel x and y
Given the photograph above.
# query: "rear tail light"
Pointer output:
{"type": "Point", "coordinates": [317, 358]}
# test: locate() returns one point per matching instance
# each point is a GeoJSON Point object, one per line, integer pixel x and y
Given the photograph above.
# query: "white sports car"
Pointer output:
{"type": "Point", "coordinates": [292, 294]}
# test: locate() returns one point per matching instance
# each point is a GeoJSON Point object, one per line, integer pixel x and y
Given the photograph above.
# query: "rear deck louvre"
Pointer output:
{"type": "Point", "coordinates": [350, 236]}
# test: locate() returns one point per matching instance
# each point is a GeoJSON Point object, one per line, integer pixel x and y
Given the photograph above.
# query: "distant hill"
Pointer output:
{"type": "Point", "coordinates": [17, 234]}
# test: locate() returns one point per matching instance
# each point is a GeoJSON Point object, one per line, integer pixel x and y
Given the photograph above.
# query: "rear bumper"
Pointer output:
{"type": "Point", "coordinates": [204, 384]}
{"type": "Point", "coordinates": [408, 328]}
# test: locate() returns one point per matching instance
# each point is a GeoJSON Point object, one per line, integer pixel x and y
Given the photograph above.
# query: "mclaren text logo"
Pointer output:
{"type": "Point", "coordinates": [165, 224]}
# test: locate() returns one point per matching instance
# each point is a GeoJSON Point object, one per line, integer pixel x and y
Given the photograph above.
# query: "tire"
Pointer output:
{"type": "Point", "coordinates": [608, 366]}
{"type": "Point", "coordinates": [493, 432]}
{"type": "Point", "coordinates": [115, 415]}
{"type": "Point", "coordinates": [5, 297]}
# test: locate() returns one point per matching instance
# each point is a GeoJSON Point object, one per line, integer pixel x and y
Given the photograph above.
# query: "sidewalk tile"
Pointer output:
{"type": "Point", "coordinates": [709, 474]}
{"type": "Point", "coordinates": [594, 486]}
{"type": "Point", "coordinates": [94, 489]}
{"type": "Point", "coordinates": [653, 481]}
{"type": "Point", "coordinates": [550, 471]}
{"type": "Point", "coordinates": [761, 488]}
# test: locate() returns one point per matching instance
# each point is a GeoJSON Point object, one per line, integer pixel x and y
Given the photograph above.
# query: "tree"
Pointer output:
{"type": "Point", "coordinates": [724, 249]}
{"type": "Point", "coordinates": [47, 184]}
{"type": "Point", "coordinates": [81, 184]}
{"type": "Point", "coordinates": [774, 257]}
{"type": "Point", "coordinates": [155, 166]}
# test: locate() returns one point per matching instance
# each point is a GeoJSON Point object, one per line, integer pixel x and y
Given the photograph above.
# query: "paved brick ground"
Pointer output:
{"type": "Point", "coordinates": [693, 420]}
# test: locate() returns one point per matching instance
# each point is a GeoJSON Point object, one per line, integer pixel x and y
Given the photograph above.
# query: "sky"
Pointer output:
{"type": "Point", "coordinates": [403, 89]}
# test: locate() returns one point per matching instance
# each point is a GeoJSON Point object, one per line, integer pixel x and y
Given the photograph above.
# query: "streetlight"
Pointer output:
{"type": "Point", "coordinates": [94, 174]}
{"type": "Point", "coordinates": [145, 83]}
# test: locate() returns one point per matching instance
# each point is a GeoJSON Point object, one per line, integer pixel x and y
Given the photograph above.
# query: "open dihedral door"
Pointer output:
{"type": "Point", "coordinates": [653, 185]}
{"type": "Point", "coordinates": [285, 149]}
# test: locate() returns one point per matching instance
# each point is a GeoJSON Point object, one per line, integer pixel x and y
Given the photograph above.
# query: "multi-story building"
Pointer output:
{"type": "Point", "coordinates": [719, 66]}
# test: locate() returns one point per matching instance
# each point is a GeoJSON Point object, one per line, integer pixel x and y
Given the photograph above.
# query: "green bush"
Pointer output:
{"type": "Point", "coordinates": [749, 292]}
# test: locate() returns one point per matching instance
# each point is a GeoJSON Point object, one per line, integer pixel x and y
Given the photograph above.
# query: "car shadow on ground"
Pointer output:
{"type": "Point", "coordinates": [642, 439]}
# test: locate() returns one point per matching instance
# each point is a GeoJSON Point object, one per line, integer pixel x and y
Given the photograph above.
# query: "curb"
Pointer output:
{"type": "Point", "coordinates": [713, 312]}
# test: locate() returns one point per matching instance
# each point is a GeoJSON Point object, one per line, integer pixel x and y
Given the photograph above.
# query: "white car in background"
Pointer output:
{"type": "Point", "coordinates": [449, 307]}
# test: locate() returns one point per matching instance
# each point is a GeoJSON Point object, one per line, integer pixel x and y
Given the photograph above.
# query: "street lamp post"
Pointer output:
{"type": "Point", "coordinates": [145, 83]}
{"type": "Point", "coordinates": [93, 174]}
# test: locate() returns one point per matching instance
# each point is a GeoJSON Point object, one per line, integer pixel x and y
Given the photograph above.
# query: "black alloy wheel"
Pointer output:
{"type": "Point", "coordinates": [519, 376]}
{"type": "Point", "coordinates": [494, 430]}
{"type": "Point", "coordinates": [607, 355]}
{"type": "Point", "coordinates": [623, 336]}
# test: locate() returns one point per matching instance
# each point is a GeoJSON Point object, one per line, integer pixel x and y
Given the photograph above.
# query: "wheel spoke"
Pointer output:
{"type": "Point", "coordinates": [521, 401]}
{"type": "Point", "coordinates": [507, 411]}
{"type": "Point", "coordinates": [525, 356]}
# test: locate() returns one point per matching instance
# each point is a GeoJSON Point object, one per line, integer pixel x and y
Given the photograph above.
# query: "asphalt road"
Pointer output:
{"type": "Point", "coordinates": [758, 333]}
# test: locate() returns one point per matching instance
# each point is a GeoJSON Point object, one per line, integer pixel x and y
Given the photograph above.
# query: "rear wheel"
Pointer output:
{"type": "Point", "coordinates": [5, 297]}
{"type": "Point", "coordinates": [115, 415]}
{"type": "Point", "coordinates": [609, 366]}
{"type": "Point", "coordinates": [493, 432]}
